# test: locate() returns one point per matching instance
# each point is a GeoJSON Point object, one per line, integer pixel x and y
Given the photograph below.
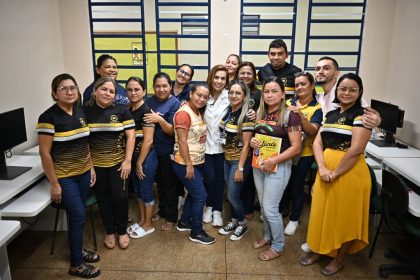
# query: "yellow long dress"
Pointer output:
{"type": "Point", "coordinates": [340, 209]}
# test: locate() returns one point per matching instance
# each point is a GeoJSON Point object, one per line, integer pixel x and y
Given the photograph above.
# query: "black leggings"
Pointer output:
{"type": "Point", "coordinates": [167, 189]}
{"type": "Point", "coordinates": [112, 194]}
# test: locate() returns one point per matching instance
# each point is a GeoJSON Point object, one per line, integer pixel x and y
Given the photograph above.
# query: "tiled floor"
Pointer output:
{"type": "Point", "coordinates": [170, 255]}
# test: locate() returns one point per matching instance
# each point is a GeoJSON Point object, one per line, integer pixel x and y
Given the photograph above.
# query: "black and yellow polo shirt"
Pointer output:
{"type": "Point", "coordinates": [70, 149]}
{"type": "Point", "coordinates": [107, 133]}
{"type": "Point", "coordinates": [336, 132]}
{"type": "Point", "coordinates": [138, 115]}
{"type": "Point", "coordinates": [229, 125]}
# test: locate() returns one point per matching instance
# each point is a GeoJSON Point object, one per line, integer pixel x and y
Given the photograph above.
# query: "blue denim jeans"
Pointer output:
{"type": "Point", "coordinates": [196, 198]}
{"type": "Point", "coordinates": [234, 189]}
{"type": "Point", "coordinates": [214, 180]}
{"type": "Point", "coordinates": [74, 192]}
{"type": "Point", "coordinates": [144, 187]}
{"type": "Point", "coordinates": [294, 191]}
{"type": "Point", "coordinates": [270, 188]}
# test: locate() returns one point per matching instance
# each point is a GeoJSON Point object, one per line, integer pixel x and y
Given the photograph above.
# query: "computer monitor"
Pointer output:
{"type": "Point", "coordinates": [392, 118]}
{"type": "Point", "coordinates": [13, 130]}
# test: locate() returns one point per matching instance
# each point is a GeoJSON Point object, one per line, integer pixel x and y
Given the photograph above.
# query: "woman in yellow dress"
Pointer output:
{"type": "Point", "coordinates": [339, 219]}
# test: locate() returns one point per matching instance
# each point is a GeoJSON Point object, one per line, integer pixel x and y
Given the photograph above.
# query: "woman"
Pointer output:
{"type": "Point", "coordinates": [180, 87]}
{"type": "Point", "coordinates": [190, 138]}
{"type": "Point", "coordinates": [64, 150]}
{"type": "Point", "coordinates": [339, 219]}
{"type": "Point", "coordinates": [231, 64]}
{"type": "Point", "coordinates": [214, 159]}
{"type": "Point", "coordinates": [111, 144]}
{"type": "Point", "coordinates": [144, 163]}
{"type": "Point", "coordinates": [106, 66]}
{"type": "Point", "coordinates": [274, 120]}
{"type": "Point", "coordinates": [164, 107]}
{"type": "Point", "coordinates": [246, 72]}
{"type": "Point", "coordinates": [236, 132]}
{"type": "Point", "coordinates": [310, 113]}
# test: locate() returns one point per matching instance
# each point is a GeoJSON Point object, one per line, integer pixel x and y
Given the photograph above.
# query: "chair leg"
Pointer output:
{"type": "Point", "coordinates": [92, 221]}
{"type": "Point", "coordinates": [372, 248]}
{"type": "Point", "coordinates": [54, 232]}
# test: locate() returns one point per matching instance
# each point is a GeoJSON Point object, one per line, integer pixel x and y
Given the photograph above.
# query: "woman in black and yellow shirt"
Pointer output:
{"type": "Point", "coordinates": [111, 144]}
{"type": "Point", "coordinates": [339, 219]}
{"type": "Point", "coordinates": [64, 150]}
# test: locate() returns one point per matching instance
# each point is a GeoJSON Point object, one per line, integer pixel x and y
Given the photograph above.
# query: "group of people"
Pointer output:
{"type": "Point", "coordinates": [200, 137]}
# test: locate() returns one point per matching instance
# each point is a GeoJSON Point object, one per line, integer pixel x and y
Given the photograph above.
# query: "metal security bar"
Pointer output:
{"type": "Point", "coordinates": [275, 19]}
{"type": "Point", "coordinates": [183, 36]}
{"type": "Point", "coordinates": [335, 29]}
{"type": "Point", "coordinates": [117, 28]}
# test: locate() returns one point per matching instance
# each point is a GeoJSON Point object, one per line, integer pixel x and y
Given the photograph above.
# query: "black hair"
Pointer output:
{"type": "Point", "coordinates": [101, 59]}
{"type": "Point", "coordinates": [136, 79]}
{"type": "Point", "coordinates": [58, 79]}
{"type": "Point", "coordinates": [310, 79]}
{"type": "Point", "coordinates": [335, 63]}
{"type": "Point", "coordinates": [354, 77]}
{"type": "Point", "coordinates": [189, 66]}
{"type": "Point", "coordinates": [161, 75]}
{"type": "Point", "coordinates": [277, 44]}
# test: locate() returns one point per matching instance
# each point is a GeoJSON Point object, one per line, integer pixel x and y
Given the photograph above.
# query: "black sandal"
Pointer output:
{"type": "Point", "coordinates": [85, 271]}
{"type": "Point", "coordinates": [90, 256]}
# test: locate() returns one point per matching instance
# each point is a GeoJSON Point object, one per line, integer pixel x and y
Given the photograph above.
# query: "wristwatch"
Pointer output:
{"type": "Point", "coordinates": [241, 169]}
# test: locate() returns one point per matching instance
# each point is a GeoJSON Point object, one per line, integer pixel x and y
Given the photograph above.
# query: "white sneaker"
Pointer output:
{"type": "Point", "coordinates": [207, 215]}
{"type": "Point", "coordinates": [291, 227]}
{"type": "Point", "coordinates": [305, 248]}
{"type": "Point", "coordinates": [217, 219]}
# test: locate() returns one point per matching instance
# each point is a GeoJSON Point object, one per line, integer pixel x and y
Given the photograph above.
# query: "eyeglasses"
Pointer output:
{"type": "Point", "coordinates": [182, 72]}
{"type": "Point", "coordinates": [73, 89]}
{"type": "Point", "coordinates": [298, 74]}
{"type": "Point", "coordinates": [352, 90]}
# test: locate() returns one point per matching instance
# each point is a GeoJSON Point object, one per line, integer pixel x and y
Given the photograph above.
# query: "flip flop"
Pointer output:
{"type": "Point", "coordinates": [328, 271]}
{"type": "Point", "coordinates": [123, 242]}
{"type": "Point", "coordinates": [269, 255]}
{"type": "Point", "coordinates": [132, 228]}
{"type": "Point", "coordinates": [140, 232]}
{"type": "Point", "coordinates": [310, 260]}
{"type": "Point", "coordinates": [261, 243]}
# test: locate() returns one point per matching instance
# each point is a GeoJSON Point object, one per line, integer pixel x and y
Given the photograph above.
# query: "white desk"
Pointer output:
{"type": "Point", "coordinates": [10, 188]}
{"type": "Point", "coordinates": [391, 152]}
{"type": "Point", "coordinates": [409, 168]}
{"type": "Point", "coordinates": [7, 230]}
{"type": "Point", "coordinates": [32, 151]}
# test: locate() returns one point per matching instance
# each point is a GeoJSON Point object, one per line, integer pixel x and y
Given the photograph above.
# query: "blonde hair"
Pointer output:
{"type": "Point", "coordinates": [97, 84]}
{"type": "Point", "coordinates": [245, 103]}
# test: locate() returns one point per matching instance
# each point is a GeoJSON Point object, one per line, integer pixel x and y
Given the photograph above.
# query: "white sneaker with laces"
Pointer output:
{"type": "Point", "coordinates": [291, 227]}
{"type": "Point", "coordinates": [217, 219]}
{"type": "Point", "coordinates": [207, 215]}
{"type": "Point", "coordinates": [305, 248]}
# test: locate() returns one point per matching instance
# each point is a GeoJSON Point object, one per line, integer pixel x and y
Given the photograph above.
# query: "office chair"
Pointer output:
{"type": "Point", "coordinates": [90, 202]}
{"type": "Point", "coordinates": [398, 219]}
{"type": "Point", "coordinates": [376, 207]}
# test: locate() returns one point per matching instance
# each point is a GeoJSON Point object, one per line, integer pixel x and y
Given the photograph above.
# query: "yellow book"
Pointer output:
{"type": "Point", "coordinates": [269, 147]}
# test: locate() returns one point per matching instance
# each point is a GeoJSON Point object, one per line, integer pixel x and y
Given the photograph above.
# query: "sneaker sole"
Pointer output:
{"type": "Point", "coordinates": [225, 232]}
{"type": "Point", "coordinates": [183, 229]}
{"type": "Point", "coordinates": [201, 242]}
{"type": "Point", "coordinates": [235, 238]}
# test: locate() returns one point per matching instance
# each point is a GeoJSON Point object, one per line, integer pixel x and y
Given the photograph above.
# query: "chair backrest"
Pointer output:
{"type": "Point", "coordinates": [395, 198]}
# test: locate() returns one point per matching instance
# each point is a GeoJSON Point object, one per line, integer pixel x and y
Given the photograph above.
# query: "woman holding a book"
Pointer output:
{"type": "Point", "coordinates": [308, 109]}
{"type": "Point", "coordinates": [236, 130]}
{"type": "Point", "coordinates": [283, 129]}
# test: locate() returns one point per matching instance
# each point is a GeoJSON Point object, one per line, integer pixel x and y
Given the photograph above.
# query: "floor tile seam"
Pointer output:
{"type": "Point", "coordinates": [295, 275]}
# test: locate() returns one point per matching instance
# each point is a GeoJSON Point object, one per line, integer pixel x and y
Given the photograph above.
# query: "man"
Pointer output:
{"type": "Point", "coordinates": [326, 75]}
{"type": "Point", "coordinates": [278, 67]}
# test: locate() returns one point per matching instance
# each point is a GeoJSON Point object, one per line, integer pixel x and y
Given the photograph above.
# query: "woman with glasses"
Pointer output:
{"type": "Point", "coordinates": [309, 111]}
{"type": "Point", "coordinates": [64, 150]}
{"type": "Point", "coordinates": [339, 218]}
{"type": "Point", "coordinates": [190, 138]}
{"type": "Point", "coordinates": [231, 64]}
{"type": "Point", "coordinates": [163, 108]}
{"type": "Point", "coordinates": [106, 66]}
{"type": "Point", "coordinates": [180, 87]}
{"type": "Point", "coordinates": [111, 143]}
{"type": "Point", "coordinates": [236, 131]}
{"type": "Point", "coordinates": [214, 160]}
{"type": "Point", "coordinates": [271, 178]}
{"type": "Point", "coordinates": [144, 162]}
